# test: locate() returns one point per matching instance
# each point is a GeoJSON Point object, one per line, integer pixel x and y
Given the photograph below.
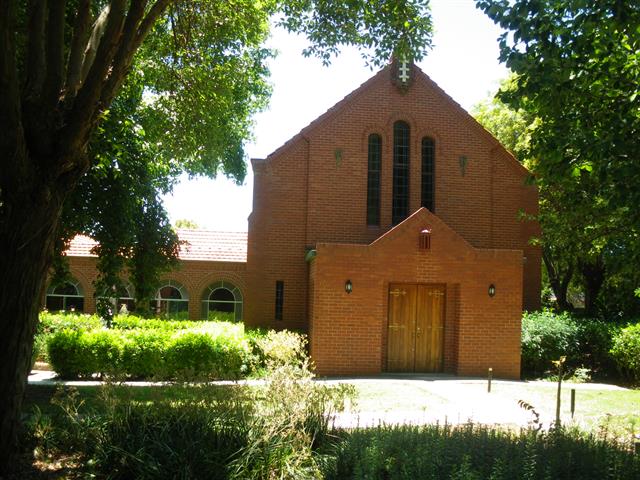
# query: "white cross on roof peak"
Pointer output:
{"type": "Point", "coordinates": [403, 71]}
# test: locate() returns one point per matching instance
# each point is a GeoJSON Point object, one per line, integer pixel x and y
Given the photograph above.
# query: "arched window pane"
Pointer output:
{"type": "Point", "coordinates": [374, 166]}
{"type": "Point", "coordinates": [170, 292]}
{"type": "Point", "coordinates": [222, 294]}
{"type": "Point", "coordinates": [400, 200]}
{"type": "Point", "coordinates": [222, 301]}
{"type": "Point", "coordinates": [65, 296]}
{"type": "Point", "coordinates": [171, 302]}
{"type": "Point", "coordinates": [428, 174]}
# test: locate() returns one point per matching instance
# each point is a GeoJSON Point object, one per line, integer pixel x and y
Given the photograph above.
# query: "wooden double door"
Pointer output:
{"type": "Point", "coordinates": [416, 328]}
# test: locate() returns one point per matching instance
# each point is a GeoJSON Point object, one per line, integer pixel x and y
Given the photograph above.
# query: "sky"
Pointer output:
{"type": "Point", "coordinates": [463, 62]}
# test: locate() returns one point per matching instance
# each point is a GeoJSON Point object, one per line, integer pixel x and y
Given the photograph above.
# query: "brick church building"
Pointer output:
{"type": "Point", "coordinates": [389, 229]}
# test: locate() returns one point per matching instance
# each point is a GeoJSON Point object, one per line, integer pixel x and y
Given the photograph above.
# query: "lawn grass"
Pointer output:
{"type": "Point", "coordinates": [596, 409]}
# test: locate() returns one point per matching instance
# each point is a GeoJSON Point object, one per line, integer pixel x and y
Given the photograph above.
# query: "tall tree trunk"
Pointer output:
{"type": "Point", "coordinates": [593, 272]}
{"type": "Point", "coordinates": [559, 279]}
{"type": "Point", "coordinates": [28, 222]}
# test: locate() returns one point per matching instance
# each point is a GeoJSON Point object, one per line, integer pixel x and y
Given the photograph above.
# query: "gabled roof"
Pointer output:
{"type": "Point", "coordinates": [420, 76]}
{"type": "Point", "coordinates": [419, 220]}
{"type": "Point", "coordinates": [200, 245]}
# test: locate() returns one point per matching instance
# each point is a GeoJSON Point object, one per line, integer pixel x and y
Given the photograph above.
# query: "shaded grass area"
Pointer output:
{"type": "Point", "coordinates": [211, 431]}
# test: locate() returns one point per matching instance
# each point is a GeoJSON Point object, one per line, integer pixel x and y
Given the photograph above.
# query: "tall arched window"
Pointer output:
{"type": "Point", "coordinates": [65, 296]}
{"type": "Point", "coordinates": [428, 174]}
{"type": "Point", "coordinates": [222, 301]}
{"type": "Point", "coordinates": [374, 166]}
{"type": "Point", "coordinates": [400, 200]}
{"type": "Point", "coordinates": [171, 301]}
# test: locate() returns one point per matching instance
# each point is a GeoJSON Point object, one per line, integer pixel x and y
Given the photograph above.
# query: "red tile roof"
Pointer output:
{"type": "Point", "coordinates": [81, 246]}
{"type": "Point", "coordinates": [213, 246]}
{"type": "Point", "coordinates": [200, 245]}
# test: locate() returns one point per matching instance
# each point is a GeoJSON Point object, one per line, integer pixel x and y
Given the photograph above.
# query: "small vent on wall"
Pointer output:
{"type": "Point", "coordinates": [425, 239]}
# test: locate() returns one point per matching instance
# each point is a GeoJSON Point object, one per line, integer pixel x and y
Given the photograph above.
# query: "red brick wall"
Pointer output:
{"type": "Point", "coordinates": [349, 331]}
{"type": "Point", "coordinates": [313, 189]}
{"type": "Point", "coordinates": [194, 276]}
{"type": "Point", "coordinates": [276, 240]}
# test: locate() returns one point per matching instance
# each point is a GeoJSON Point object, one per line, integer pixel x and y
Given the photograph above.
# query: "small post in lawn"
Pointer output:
{"type": "Point", "coordinates": [559, 363]}
{"type": "Point", "coordinates": [573, 402]}
{"type": "Point", "coordinates": [489, 378]}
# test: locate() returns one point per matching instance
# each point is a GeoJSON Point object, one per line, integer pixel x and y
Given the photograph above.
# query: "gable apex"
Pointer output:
{"type": "Point", "coordinates": [389, 73]}
{"type": "Point", "coordinates": [418, 221]}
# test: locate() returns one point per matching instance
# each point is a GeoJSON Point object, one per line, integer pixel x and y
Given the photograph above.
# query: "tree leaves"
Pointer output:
{"type": "Point", "coordinates": [577, 68]}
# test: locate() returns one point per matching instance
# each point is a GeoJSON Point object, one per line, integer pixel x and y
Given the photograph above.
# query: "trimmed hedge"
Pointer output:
{"type": "Point", "coordinates": [139, 353]}
{"type": "Point", "coordinates": [626, 351]}
{"type": "Point", "coordinates": [164, 350]}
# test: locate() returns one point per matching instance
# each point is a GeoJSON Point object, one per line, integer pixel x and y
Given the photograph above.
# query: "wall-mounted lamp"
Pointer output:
{"type": "Point", "coordinates": [348, 286]}
{"type": "Point", "coordinates": [492, 290]}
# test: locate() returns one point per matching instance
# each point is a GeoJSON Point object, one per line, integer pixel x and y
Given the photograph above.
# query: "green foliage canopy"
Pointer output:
{"type": "Point", "coordinates": [577, 70]}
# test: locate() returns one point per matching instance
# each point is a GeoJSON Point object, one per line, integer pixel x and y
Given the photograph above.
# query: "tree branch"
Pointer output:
{"type": "Point", "coordinates": [124, 56]}
{"type": "Point", "coordinates": [86, 109]}
{"type": "Point", "coordinates": [147, 24]}
{"type": "Point", "coordinates": [94, 41]}
{"type": "Point", "coordinates": [55, 53]}
{"type": "Point", "coordinates": [35, 68]}
{"type": "Point", "coordinates": [78, 43]}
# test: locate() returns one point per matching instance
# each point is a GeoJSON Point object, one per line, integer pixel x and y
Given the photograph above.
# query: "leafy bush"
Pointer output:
{"type": "Point", "coordinates": [149, 353]}
{"type": "Point", "coordinates": [143, 353]}
{"type": "Point", "coordinates": [546, 336]}
{"type": "Point", "coordinates": [73, 353]}
{"type": "Point", "coordinates": [626, 351]}
{"type": "Point", "coordinates": [54, 322]}
{"type": "Point", "coordinates": [478, 452]}
{"type": "Point", "coordinates": [241, 432]}
{"type": "Point", "coordinates": [130, 322]}
{"type": "Point", "coordinates": [193, 355]}
{"type": "Point", "coordinates": [279, 348]}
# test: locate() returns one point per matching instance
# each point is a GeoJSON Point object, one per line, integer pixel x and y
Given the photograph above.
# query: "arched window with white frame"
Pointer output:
{"type": "Point", "coordinates": [65, 296]}
{"type": "Point", "coordinates": [171, 301]}
{"type": "Point", "coordinates": [222, 301]}
{"type": "Point", "coordinates": [122, 298]}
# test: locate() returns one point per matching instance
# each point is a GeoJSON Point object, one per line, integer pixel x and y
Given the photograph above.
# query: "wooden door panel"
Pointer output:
{"type": "Point", "coordinates": [401, 328]}
{"type": "Point", "coordinates": [429, 328]}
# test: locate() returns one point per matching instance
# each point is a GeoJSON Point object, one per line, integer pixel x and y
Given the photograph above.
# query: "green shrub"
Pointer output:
{"type": "Point", "coordinates": [586, 342]}
{"type": "Point", "coordinates": [626, 351]}
{"type": "Point", "coordinates": [242, 432]}
{"type": "Point", "coordinates": [130, 322]}
{"type": "Point", "coordinates": [73, 353]}
{"type": "Point", "coordinates": [546, 336]}
{"type": "Point", "coordinates": [67, 354]}
{"type": "Point", "coordinates": [143, 353]}
{"type": "Point", "coordinates": [38, 353]}
{"type": "Point", "coordinates": [278, 348]}
{"type": "Point", "coordinates": [156, 354]}
{"type": "Point", "coordinates": [478, 452]}
{"type": "Point", "coordinates": [193, 355]}
{"type": "Point", "coordinates": [54, 322]}
{"type": "Point", "coordinates": [595, 339]}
